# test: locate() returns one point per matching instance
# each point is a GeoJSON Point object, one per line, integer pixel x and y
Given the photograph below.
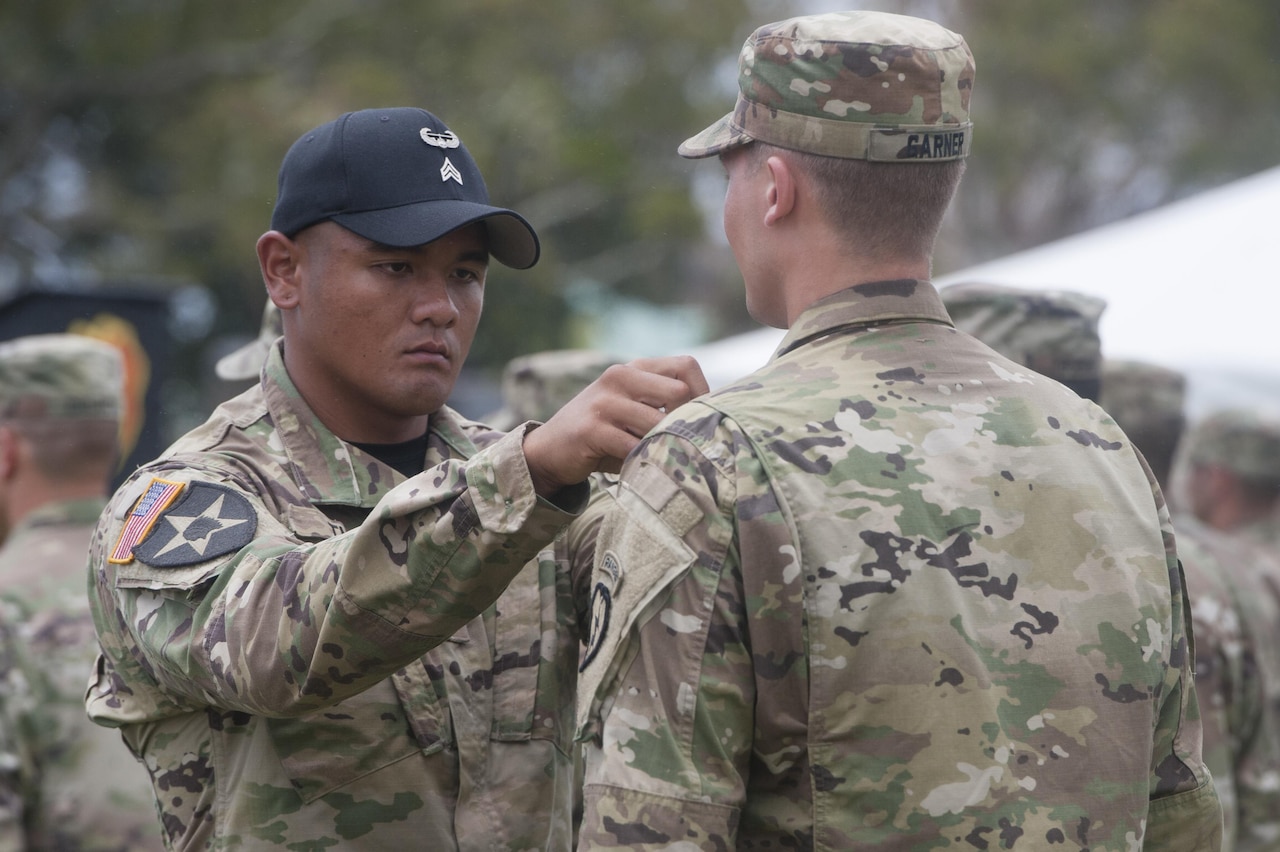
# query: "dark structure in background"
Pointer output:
{"type": "Point", "coordinates": [136, 322]}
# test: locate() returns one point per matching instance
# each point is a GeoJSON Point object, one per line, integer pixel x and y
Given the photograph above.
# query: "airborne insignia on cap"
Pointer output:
{"type": "Point", "coordinates": [207, 522]}
{"type": "Point", "coordinates": [439, 140]}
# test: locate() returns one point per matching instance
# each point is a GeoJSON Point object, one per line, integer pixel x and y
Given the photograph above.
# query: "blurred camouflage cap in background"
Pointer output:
{"type": "Point", "coordinates": [62, 377]}
{"type": "Point", "coordinates": [857, 85]}
{"type": "Point", "coordinates": [1136, 393]}
{"type": "Point", "coordinates": [1246, 442]}
{"type": "Point", "coordinates": [246, 362]}
{"type": "Point", "coordinates": [1054, 332]}
{"type": "Point", "coordinates": [536, 386]}
{"type": "Point", "coordinates": [1148, 402]}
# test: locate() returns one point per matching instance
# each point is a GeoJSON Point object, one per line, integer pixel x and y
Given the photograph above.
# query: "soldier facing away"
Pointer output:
{"type": "Point", "coordinates": [893, 590]}
{"type": "Point", "coordinates": [65, 783]}
{"type": "Point", "coordinates": [338, 615]}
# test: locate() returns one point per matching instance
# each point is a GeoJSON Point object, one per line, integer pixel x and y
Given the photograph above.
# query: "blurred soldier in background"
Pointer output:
{"type": "Point", "coordinates": [1054, 332]}
{"type": "Point", "coordinates": [1234, 612]}
{"type": "Point", "coordinates": [74, 786]}
{"type": "Point", "coordinates": [892, 590]}
{"type": "Point", "coordinates": [1232, 461]}
{"type": "Point", "coordinates": [1148, 401]}
{"type": "Point", "coordinates": [536, 386]}
{"type": "Point", "coordinates": [245, 363]}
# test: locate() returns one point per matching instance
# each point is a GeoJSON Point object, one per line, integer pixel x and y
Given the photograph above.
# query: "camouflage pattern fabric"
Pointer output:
{"type": "Point", "coordinates": [84, 790]}
{"type": "Point", "coordinates": [859, 85]}
{"type": "Point", "coordinates": [343, 680]}
{"type": "Point", "coordinates": [891, 591]}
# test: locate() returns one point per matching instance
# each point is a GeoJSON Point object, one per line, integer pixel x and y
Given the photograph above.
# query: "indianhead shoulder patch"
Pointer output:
{"type": "Point", "coordinates": [207, 522]}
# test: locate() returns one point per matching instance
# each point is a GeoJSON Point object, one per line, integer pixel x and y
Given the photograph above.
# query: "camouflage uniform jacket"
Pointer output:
{"type": "Point", "coordinates": [891, 591]}
{"type": "Point", "coordinates": [302, 646]}
{"type": "Point", "coordinates": [78, 787]}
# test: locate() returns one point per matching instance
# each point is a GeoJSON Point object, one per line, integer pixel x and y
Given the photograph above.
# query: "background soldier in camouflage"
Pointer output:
{"type": "Point", "coordinates": [245, 363]}
{"type": "Point", "coordinates": [1054, 332]}
{"type": "Point", "coordinates": [67, 784]}
{"type": "Point", "coordinates": [893, 590]}
{"type": "Point", "coordinates": [1232, 468]}
{"type": "Point", "coordinates": [296, 602]}
{"type": "Point", "coordinates": [1236, 619]}
{"type": "Point", "coordinates": [536, 386]}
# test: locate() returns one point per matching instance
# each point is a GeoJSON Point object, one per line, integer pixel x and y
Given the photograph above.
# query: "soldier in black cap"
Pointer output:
{"type": "Point", "coordinates": [296, 602]}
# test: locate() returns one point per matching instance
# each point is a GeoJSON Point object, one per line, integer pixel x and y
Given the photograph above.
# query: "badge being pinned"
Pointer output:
{"type": "Point", "coordinates": [209, 521]}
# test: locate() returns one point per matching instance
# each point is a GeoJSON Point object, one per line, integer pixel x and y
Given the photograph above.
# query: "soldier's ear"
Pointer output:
{"type": "Point", "coordinates": [781, 190]}
{"type": "Point", "coordinates": [279, 258]}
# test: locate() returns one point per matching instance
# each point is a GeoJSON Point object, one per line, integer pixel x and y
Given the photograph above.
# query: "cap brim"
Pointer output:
{"type": "Point", "coordinates": [244, 363]}
{"type": "Point", "coordinates": [720, 136]}
{"type": "Point", "coordinates": [512, 240]}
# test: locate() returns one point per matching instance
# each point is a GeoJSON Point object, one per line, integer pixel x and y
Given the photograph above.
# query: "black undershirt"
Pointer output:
{"type": "Point", "coordinates": [407, 456]}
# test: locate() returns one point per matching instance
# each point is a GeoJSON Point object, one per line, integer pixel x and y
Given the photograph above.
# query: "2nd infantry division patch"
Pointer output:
{"type": "Point", "coordinates": [207, 522]}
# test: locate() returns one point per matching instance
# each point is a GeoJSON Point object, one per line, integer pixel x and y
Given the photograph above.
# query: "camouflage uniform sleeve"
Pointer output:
{"type": "Point", "coordinates": [281, 627]}
{"type": "Point", "coordinates": [669, 691]}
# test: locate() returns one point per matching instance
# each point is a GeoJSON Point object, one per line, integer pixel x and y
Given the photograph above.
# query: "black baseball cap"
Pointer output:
{"type": "Point", "coordinates": [398, 177]}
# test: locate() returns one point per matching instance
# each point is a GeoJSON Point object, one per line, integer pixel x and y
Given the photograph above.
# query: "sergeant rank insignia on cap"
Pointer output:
{"type": "Point", "coordinates": [167, 532]}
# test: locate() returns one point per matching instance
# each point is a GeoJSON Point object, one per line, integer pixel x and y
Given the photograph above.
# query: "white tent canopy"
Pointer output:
{"type": "Point", "coordinates": [1192, 285]}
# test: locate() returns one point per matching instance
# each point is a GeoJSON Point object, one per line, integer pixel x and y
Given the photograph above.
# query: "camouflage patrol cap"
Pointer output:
{"type": "Point", "coordinates": [246, 362]}
{"type": "Point", "coordinates": [536, 386]}
{"type": "Point", "coordinates": [857, 85]}
{"type": "Point", "coordinates": [1054, 332]}
{"type": "Point", "coordinates": [60, 377]}
{"type": "Point", "coordinates": [1246, 442]}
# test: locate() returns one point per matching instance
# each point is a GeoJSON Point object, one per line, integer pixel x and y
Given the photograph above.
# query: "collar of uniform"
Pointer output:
{"type": "Point", "coordinates": [328, 469]}
{"type": "Point", "coordinates": [866, 304]}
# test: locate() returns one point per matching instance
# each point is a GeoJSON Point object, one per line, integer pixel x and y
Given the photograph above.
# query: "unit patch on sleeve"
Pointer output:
{"type": "Point", "coordinates": [209, 521]}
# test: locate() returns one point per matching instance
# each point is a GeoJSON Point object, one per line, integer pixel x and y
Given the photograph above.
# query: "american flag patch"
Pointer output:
{"type": "Point", "coordinates": [160, 494]}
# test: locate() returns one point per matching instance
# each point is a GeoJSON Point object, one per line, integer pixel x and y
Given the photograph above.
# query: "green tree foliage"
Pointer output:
{"type": "Point", "coordinates": [142, 137]}
{"type": "Point", "coordinates": [1087, 111]}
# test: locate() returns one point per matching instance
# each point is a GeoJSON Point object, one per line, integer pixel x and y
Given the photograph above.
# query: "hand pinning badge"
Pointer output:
{"type": "Point", "coordinates": [448, 139]}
